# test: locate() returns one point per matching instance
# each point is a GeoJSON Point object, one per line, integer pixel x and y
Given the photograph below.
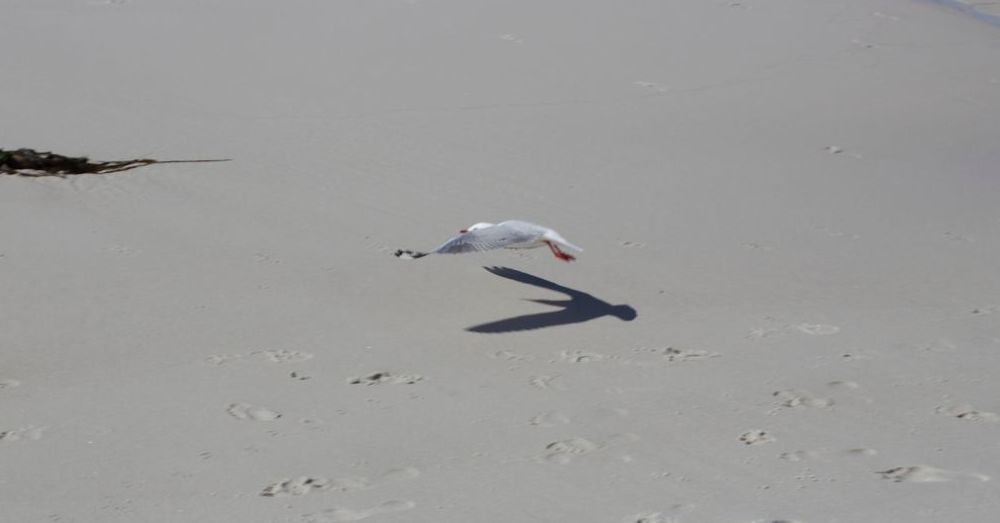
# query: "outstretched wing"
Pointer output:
{"type": "Point", "coordinates": [496, 237]}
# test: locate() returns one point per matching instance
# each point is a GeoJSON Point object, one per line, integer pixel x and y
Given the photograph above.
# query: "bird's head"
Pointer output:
{"type": "Point", "coordinates": [476, 226]}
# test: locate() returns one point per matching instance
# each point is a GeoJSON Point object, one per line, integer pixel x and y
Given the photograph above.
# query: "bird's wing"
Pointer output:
{"type": "Point", "coordinates": [496, 237]}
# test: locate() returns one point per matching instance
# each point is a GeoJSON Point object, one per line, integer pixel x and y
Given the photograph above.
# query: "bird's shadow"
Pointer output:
{"type": "Point", "coordinates": [580, 307]}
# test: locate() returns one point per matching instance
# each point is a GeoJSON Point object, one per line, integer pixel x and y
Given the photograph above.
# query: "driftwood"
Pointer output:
{"type": "Point", "coordinates": [29, 162]}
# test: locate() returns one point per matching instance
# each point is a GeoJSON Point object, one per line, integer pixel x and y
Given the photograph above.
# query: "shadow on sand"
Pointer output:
{"type": "Point", "coordinates": [580, 307]}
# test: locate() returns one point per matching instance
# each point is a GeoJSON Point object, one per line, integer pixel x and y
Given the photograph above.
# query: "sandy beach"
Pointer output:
{"type": "Point", "coordinates": [787, 309]}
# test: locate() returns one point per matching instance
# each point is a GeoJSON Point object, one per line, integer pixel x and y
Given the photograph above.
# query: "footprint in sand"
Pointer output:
{"type": "Point", "coordinates": [282, 355]}
{"type": "Point", "coordinates": [550, 419]}
{"type": "Point", "coordinates": [222, 359]}
{"type": "Point", "coordinates": [779, 328]}
{"type": "Point", "coordinates": [30, 432]}
{"type": "Point", "coordinates": [648, 517]}
{"type": "Point", "coordinates": [555, 418]}
{"type": "Point", "coordinates": [798, 399]}
{"type": "Point", "coordinates": [311, 423]}
{"type": "Point", "coordinates": [248, 412]}
{"type": "Point", "coordinates": [265, 258]}
{"type": "Point", "coordinates": [564, 452]}
{"type": "Point", "coordinates": [756, 437]}
{"type": "Point", "coordinates": [652, 86]}
{"type": "Point", "coordinates": [295, 487]}
{"type": "Point", "coordinates": [510, 355]}
{"type": "Point", "coordinates": [547, 383]}
{"type": "Point", "coordinates": [580, 356]}
{"type": "Point", "coordinates": [826, 455]}
{"type": "Point", "coordinates": [671, 355]}
{"type": "Point", "coordinates": [304, 485]}
{"type": "Point", "coordinates": [381, 378]}
{"type": "Point", "coordinates": [761, 333]}
{"type": "Point", "coordinates": [967, 413]}
{"type": "Point", "coordinates": [274, 355]}
{"type": "Point", "coordinates": [927, 474]}
{"type": "Point", "coordinates": [818, 329]}
{"type": "Point", "coordinates": [334, 515]}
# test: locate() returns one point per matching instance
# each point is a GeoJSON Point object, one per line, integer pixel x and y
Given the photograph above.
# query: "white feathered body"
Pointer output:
{"type": "Point", "coordinates": [510, 234]}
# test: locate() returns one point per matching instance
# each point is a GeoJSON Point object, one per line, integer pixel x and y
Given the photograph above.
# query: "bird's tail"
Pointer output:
{"type": "Point", "coordinates": [556, 237]}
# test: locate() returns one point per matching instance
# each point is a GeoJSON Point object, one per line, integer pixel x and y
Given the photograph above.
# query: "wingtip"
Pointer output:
{"type": "Point", "coordinates": [406, 254]}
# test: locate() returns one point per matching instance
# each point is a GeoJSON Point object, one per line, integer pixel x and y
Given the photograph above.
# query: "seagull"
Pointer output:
{"type": "Point", "coordinates": [510, 234]}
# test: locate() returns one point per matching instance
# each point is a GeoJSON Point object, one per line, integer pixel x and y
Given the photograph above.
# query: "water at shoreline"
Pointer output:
{"type": "Point", "coordinates": [989, 13]}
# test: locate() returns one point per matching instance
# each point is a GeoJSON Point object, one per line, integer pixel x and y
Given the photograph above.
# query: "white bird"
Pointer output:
{"type": "Point", "coordinates": [510, 234]}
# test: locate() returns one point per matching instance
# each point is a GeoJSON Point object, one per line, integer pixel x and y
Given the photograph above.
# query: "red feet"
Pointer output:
{"type": "Point", "coordinates": [565, 257]}
{"type": "Point", "coordinates": [559, 253]}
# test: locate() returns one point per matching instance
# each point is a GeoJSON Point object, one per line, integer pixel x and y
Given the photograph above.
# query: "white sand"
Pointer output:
{"type": "Point", "coordinates": [798, 198]}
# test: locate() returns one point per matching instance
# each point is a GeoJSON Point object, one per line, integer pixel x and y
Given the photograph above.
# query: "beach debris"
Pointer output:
{"type": "Point", "coordinates": [29, 162]}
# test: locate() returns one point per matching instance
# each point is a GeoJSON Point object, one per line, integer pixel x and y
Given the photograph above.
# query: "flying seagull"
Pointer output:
{"type": "Point", "coordinates": [510, 234]}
